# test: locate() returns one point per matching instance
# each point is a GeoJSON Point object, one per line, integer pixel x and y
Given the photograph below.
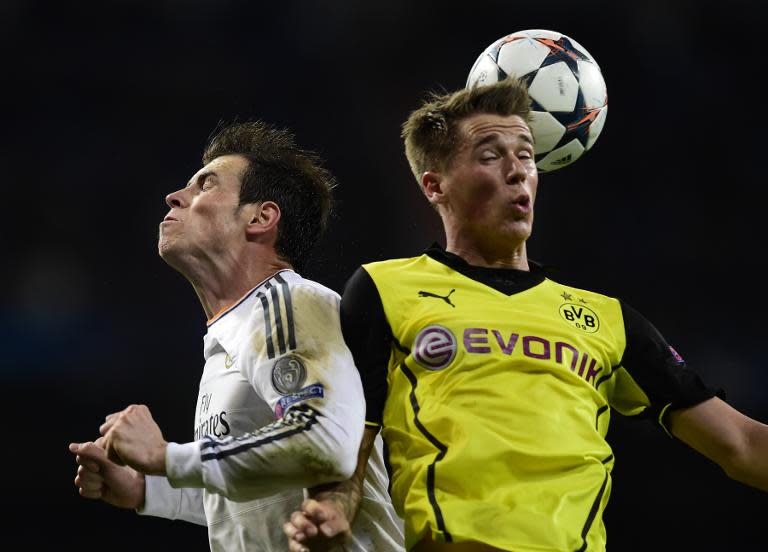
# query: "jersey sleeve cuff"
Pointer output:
{"type": "Point", "coordinates": [184, 465]}
{"type": "Point", "coordinates": [160, 499]}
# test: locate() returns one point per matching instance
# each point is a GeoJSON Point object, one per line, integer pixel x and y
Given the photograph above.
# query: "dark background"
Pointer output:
{"type": "Point", "coordinates": [107, 106]}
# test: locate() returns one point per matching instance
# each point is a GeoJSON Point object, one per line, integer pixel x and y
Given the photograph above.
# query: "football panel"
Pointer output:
{"type": "Point", "coordinates": [555, 87]}
{"type": "Point", "coordinates": [539, 33]}
{"type": "Point", "coordinates": [547, 131]}
{"type": "Point", "coordinates": [521, 56]}
{"type": "Point", "coordinates": [596, 127]}
{"type": "Point", "coordinates": [592, 85]}
{"type": "Point", "coordinates": [561, 157]}
{"type": "Point", "coordinates": [471, 74]}
{"type": "Point", "coordinates": [485, 71]}
{"type": "Point", "coordinates": [582, 49]}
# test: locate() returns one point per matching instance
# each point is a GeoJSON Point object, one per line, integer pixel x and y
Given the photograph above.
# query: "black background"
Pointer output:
{"type": "Point", "coordinates": [107, 106]}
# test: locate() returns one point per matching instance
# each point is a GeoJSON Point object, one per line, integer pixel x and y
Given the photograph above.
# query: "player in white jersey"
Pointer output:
{"type": "Point", "coordinates": [280, 406]}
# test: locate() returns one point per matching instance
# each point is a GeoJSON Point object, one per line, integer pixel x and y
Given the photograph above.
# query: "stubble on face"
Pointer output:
{"type": "Point", "coordinates": [203, 214]}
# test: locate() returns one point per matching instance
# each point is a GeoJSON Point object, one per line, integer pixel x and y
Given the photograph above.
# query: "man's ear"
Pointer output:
{"type": "Point", "coordinates": [432, 186]}
{"type": "Point", "coordinates": [264, 218]}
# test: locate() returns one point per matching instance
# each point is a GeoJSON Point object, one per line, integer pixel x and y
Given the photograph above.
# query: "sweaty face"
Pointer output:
{"type": "Point", "coordinates": [490, 185]}
{"type": "Point", "coordinates": [204, 220]}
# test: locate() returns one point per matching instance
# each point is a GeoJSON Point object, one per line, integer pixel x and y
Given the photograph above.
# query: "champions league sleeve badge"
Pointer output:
{"type": "Point", "coordinates": [288, 375]}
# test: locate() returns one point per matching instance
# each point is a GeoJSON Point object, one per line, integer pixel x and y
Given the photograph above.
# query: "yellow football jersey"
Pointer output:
{"type": "Point", "coordinates": [496, 396]}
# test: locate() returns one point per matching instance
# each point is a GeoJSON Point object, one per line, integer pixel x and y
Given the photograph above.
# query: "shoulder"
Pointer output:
{"type": "Point", "coordinates": [579, 294]}
{"type": "Point", "coordinates": [373, 280]}
{"type": "Point", "coordinates": [577, 304]}
{"type": "Point", "coordinates": [303, 290]}
{"type": "Point", "coordinates": [394, 265]}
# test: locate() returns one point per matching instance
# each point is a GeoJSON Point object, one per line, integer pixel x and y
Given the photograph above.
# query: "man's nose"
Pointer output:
{"type": "Point", "coordinates": [175, 199]}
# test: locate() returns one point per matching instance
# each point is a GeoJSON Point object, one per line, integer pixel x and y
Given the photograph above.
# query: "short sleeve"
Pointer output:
{"type": "Point", "coordinates": [369, 337]}
{"type": "Point", "coordinates": [659, 371]}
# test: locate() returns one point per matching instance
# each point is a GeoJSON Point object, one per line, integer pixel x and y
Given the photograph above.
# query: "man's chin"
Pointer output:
{"type": "Point", "coordinates": [518, 231]}
{"type": "Point", "coordinates": [168, 252]}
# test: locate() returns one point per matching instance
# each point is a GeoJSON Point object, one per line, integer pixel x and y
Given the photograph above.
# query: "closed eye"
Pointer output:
{"type": "Point", "coordinates": [206, 181]}
{"type": "Point", "coordinates": [489, 155]}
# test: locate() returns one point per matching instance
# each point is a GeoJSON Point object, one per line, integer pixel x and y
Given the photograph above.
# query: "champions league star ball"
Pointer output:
{"type": "Point", "coordinates": [568, 93]}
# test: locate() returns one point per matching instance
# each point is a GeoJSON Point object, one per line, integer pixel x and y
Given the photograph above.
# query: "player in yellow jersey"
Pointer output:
{"type": "Point", "coordinates": [493, 384]}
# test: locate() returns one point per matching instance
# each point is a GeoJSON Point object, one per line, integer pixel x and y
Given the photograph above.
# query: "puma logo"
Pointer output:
{"type": "Point", "coordinates": [445, 298]}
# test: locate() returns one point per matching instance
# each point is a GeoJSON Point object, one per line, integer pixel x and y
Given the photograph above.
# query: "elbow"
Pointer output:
{"type": "Point", "coordinates": [346, 466]}
{"type": "Point", "coordinates": [332, 455]}
{"type": "Point", "coordinates": [738, 470]}
{"type": "Point", "coordinates": [743, 463]}
{"type": "Point", "coordinates": [729, 456]}
{"type": "Point", "coordinates": [333, 464]}
{"type": "Point", "coordinates": [345, 456]}
{"type": "Point", "coordinates": [739, 467]}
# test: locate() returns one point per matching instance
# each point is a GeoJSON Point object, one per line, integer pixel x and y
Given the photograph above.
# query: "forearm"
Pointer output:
{"type": "Point", "coordinates": [302, 450]}
{"type": "Point", "coordinates": [751, 466]}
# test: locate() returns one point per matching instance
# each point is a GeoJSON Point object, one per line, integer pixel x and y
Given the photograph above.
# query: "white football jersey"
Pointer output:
{"type": "Point", "coordinates": [280, 408]}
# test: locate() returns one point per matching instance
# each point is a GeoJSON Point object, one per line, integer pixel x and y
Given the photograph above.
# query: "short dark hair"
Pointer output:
{"type": "Point", "coordinates": [431, 131]}
{"type": "Point", "coordinates": [278, 170]}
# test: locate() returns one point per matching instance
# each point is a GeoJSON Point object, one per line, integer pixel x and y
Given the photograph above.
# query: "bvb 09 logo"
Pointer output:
{"type": "Point", "coordinates": [435, 347]}
{"type": "Point", "coordinates": [580, 317]}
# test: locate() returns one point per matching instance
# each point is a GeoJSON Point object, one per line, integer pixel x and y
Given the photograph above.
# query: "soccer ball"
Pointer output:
{"type": "Point", "coordinates": [567, 89]}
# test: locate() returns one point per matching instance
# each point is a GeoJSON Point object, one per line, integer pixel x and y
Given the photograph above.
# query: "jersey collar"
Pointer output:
{"type": "Point", "coordinates": [227, 327]}
{"type": "Point", "coordinates": [505, 280]}
{"type": "Point", "coordinates": [231, 308]}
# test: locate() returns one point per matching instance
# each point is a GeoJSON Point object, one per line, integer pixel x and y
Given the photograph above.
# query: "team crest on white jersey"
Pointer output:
{"type": "Point", "coordinates": [288, 375]}
{"type": "Point", "coordinates": [434, 347]}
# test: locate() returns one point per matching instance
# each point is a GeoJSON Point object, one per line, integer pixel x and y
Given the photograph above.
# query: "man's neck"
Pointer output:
{"type": "Point", "coordinates": [221, 285]}
{"type": "Point", "coordinates": [491, 257]}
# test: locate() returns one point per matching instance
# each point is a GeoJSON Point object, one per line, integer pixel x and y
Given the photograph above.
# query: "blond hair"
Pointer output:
{"type": "Point", "coordinates": [431, 131]}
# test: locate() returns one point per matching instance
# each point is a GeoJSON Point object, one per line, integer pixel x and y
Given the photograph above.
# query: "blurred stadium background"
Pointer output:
{"type": "Point", "coordinates": [108, 105]}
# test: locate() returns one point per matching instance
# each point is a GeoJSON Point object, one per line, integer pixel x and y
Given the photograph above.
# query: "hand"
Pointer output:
{"type": "Point", "coordinates": [320, 526]}
{"type": "Point", "coordinates": [132, 438]}
{"type": "Point", "coordinates": [98, 478]}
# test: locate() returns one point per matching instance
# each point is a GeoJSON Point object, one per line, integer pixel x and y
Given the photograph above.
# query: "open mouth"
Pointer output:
{"type": "Point", "coordinates": [522, 201]}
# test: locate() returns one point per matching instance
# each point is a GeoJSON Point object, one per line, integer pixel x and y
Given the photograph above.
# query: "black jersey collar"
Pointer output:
{"type": "Point", "coordinates": [505, 280]}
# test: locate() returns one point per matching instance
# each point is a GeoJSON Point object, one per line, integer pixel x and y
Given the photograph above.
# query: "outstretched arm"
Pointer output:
{"type": "Point", "coordinates": [327, 515]}
{"type": "Point", "coordinates": [735, 442]}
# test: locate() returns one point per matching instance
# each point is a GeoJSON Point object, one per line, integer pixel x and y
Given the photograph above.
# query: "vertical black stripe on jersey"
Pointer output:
{"type": "Point", "coordinates": [267, 325]}
{"type": "Point", "coordinates": [593, 513]}
{"type": "Point", "coordinates": [600, 411]}
{"type": "Point", "coordinates": [440, 446]}
{"type": "Point", "coordinates": [606, 377]}
{"type": "Point", "coordinates": [288, 311]}
{"type": "Point", "coordinates": [278, 317]}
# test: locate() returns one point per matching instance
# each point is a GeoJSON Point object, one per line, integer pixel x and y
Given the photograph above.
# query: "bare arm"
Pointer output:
{"type": "Point", "coordinates": [327, 515]}
{"type": "Point", "coordinates": [735, 442]}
